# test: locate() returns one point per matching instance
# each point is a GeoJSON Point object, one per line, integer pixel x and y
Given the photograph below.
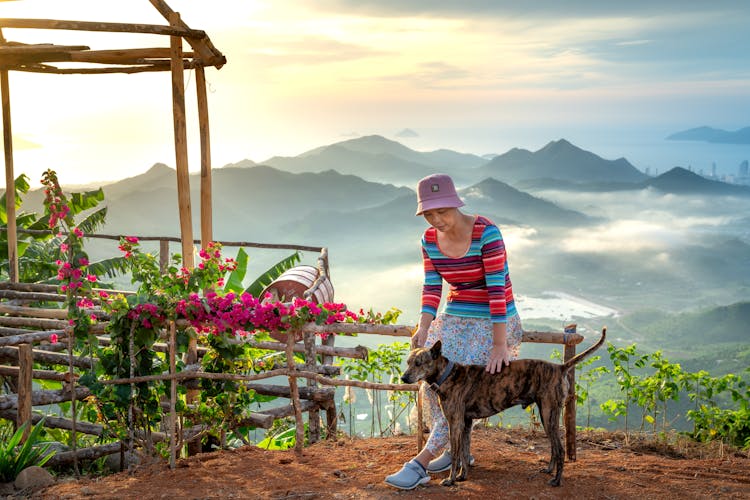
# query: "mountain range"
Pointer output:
{"type": "Point", "coordinates": [554, 240]}
{"type": "Point", "coordinates": [710, 134]}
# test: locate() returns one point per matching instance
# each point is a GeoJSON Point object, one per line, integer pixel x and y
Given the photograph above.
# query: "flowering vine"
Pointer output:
{"type": "Point", "coordinates": [72, 273]}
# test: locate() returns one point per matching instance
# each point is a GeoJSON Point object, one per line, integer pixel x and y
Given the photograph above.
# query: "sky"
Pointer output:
{"type": "Point", "coordinates": [473, 76]}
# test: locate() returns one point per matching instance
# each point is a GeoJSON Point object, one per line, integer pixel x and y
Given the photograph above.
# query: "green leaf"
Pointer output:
{"type": "Point", "coordinates": [80, 202]}
{"type": "Point", "coordinates": [265, 279]}
{"type": "Point", "coordinates": [21, 185]}
{"type": "Point", "coordinates": [234, 282]}
{"type": "Point", "coordinates": [110, 267]}
{"type": "Point", "coordinates": [93, 221]}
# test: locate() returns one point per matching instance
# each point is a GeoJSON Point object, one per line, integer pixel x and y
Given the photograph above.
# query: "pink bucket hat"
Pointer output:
{"type": "Point", "coordinates": [437, 191]}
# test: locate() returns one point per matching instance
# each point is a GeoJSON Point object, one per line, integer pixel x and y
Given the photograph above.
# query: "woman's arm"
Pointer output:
{"type": "Point", "coordinates": [420, 335]}
{"type": "Point", "coordinates": [499, 355]}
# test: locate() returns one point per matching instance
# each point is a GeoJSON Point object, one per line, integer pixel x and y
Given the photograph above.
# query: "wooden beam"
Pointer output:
{"type": "Point", "coordinates": [183, 188]}
{"type": "Point", "coordinates": [47, 358]}
{"type": "Point", "coordinates": [45, 397]}
{"type": "Point", "coordinates": [181, 153]}
{"type": "Point", "coordinates": [124, 56]}
{"type": "Point", "coordinates": [39, 48]}
{"type": "Point", "coordinates": [206, 196]}
{"type": "Point", "coordinates": [203, 46]}
{"type": "Point", "coordinates": [14, 371]}
{"type": "Point", "coordinates": [10, 191]}
{"type": "Point", "coordinates": [149, 68]}
{"type": "Point", "coordinates": [58, 24]}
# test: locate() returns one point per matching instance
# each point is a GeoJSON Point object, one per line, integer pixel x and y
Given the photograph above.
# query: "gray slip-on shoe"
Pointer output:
{"type": "Point", "coordinates": [443, 463]}
{"type": "Point", "coordinates": [411, 475]}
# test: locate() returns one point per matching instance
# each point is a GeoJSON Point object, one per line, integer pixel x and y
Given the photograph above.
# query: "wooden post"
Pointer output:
{"type": "Point", "coordinates": [25, 388]}
{"type": "Point", "coordinates": [570, 404]}
{"type": "Point", "coordinates": [313, 416]}
{"type": "Point", "coordinates": [294, 393]}
{"type": "Point", "coordinates": [172, 396]}
{"type": "Point", "coordinates": [183, 181]}
{"type": "Point", "coordinates": [206, 201]}
{"type": "Point", "coordinates": [180, 145]}
{"type": "Point", "coordinates": [10, 191]}
{"type": "Point", "coordinates": [163, 256]}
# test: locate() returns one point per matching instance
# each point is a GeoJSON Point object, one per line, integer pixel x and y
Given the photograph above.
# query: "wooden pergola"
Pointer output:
{"type": "Point", "coordinates": [40, 58]}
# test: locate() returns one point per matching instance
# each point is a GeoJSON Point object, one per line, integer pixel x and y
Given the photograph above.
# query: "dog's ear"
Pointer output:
{"type": "Point", "coordinates": [436, 349]}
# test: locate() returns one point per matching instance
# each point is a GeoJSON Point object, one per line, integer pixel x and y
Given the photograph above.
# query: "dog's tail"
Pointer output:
{"type": "Point", "coordinates": [577, 359]}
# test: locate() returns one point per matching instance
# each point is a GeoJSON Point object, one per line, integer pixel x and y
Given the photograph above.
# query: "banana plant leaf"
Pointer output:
{"type": "Point", "coordinates": [272, 273]}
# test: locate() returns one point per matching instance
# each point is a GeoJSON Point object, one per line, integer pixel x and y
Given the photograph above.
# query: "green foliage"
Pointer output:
{"type": "Point", "coordinates": [15, 457]}
{"type": "Point", "coordinates": [38, 253]}
{"type": "Point", "coordinates": [265, 279]}
{"type": "Point", "coordinates": [710, 421]}
{"type": "Point", "coordinates": [651, 392]}
{"type": "Point", "coordinates": [24, 221]}
{"type": "Point", "coordinates": [282, 435]}
{"type": "Point", "coordinates": [383, 365]}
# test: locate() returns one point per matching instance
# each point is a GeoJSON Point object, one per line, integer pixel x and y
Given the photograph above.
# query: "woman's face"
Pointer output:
{"type": "Point", "coordinates": [442, 219]}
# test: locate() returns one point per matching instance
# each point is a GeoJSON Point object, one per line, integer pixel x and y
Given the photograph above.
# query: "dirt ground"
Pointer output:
{"type": "Point", "coordinates": [507, 465]}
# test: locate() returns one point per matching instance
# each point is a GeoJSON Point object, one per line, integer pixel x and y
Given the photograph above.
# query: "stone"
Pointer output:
{"type": "Point", "coordinates": [112, 462]}
{"type": "Point", "coordinates": [33, 477]}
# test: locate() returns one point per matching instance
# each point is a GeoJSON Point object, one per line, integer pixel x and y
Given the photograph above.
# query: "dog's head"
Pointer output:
{"type": "Point", "coordinates": [422, 364]}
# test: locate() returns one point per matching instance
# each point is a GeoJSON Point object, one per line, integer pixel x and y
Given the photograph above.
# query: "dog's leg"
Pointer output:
{"type": "Point", "coordinates": [465, 447]}
{"type": "Point", "coordinates": [550, 414]}
{"type": "Point", "coordinates": [544, 416]}
{"type": "Point", "coordinates": [455, 428]}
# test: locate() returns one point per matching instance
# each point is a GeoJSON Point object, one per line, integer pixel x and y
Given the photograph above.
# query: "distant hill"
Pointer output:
{"type": "Point", "coordinates": [559, 160]}
{"type": "Point", "coordinates": [681, 181]}
{"type": "Point", "coordinates": [494, 198]}
{"type": "Point", "coordinates": [248, 203]}
{"type": "Point", "coordinates": [377, 158]}
{"type": "Point", "coordinates": [709, 326]}
{"type": "Point", "coordinates": [381, 166]}
{"type": "Point", "coordinates": [676, 181]}
{"type": "Point", "coordinates": [710, 134]}
{"type": "Point", "coordinates": [441, 158]}
{"type": "Point", "coordinates": [394, 220]}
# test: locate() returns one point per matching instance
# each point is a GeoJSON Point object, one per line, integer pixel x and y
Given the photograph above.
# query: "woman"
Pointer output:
{"type": "Point", "coordinates": [479, 324]}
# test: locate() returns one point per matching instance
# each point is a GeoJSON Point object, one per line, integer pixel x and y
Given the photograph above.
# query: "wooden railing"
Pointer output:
{"type": "Point", "coordinates": [24, 330]}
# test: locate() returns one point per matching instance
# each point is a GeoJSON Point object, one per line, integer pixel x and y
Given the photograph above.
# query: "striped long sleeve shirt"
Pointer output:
{"type": "Point", "coordinates": [479, 282]}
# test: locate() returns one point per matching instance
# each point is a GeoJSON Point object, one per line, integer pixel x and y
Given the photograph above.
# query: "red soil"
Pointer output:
{"type": "Point", "coordinates": [507, 465]}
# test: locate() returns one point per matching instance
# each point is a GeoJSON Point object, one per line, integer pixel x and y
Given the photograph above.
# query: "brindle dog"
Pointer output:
{"type": "Point", "coordinates": [468, 391]}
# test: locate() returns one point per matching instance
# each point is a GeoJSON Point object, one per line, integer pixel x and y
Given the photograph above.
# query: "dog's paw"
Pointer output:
{"type": "Point", "coordinates": [555, 482]}
{"type": "Point", "coordinates": [446, 482]}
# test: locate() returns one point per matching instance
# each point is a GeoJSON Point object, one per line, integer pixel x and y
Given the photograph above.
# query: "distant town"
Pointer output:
{"type": "Point", "coordinates": [742, 177]}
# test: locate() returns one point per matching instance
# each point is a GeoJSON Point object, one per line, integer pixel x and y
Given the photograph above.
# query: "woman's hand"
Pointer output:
{"type": "Point", "coordinates": [499, 357]}
{"type": "Point", "coordinates": [419, 337]}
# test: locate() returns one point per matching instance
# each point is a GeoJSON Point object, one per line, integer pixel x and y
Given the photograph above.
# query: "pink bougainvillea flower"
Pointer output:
{"type": "Point", "coordinates": [64, 247]}
{"type": "Point", "coordinates": [78, 232]}
{"type": "Point", "coordinates": [131, 239]}
{"type": "Point", "coordinates": [92, 278]}
{"type": "Point", "coordinates": [53, 338]}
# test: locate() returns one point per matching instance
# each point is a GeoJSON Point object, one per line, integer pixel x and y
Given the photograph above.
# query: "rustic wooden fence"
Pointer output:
{"type": "Point", "coordinates": [24, 342]}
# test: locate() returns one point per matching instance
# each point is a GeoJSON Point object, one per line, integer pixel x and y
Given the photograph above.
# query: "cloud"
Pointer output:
{"type": "Point", "coordinates": [624, 236]}
{"type": "Point", "coordinates": [553, 9]}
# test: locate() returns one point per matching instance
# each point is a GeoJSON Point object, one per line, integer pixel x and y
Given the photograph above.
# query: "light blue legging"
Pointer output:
{"type": "Point", "coordinates": [467, 341]}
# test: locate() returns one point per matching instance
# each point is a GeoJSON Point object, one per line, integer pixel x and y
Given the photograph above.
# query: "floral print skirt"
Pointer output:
{"type": "Point", "coordinates": [466, 341]}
